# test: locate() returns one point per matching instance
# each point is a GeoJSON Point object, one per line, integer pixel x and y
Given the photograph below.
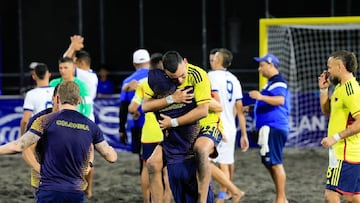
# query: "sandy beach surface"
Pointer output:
{"type": "Point", "coordinates": [120, 182]}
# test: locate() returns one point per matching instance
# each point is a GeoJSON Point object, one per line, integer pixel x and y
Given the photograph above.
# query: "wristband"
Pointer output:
{"type": "Point", "coordinates": [324, 90]}
{"type": "Point", "coordinates": [91, 164]}
{"type": "Point", "coordinates": [174, 122]}
{"type": "Point", "coordinates": [337, 137]}
{"type": "Point", "coordinates": [169, 99]}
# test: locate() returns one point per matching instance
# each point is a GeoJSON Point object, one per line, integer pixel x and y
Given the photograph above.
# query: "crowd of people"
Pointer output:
{"type": "Point", "coordinates": [183, 127]}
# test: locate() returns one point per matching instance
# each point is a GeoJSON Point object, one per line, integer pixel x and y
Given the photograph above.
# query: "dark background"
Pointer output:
{"type": "Point", "coordinates": [40, 30]}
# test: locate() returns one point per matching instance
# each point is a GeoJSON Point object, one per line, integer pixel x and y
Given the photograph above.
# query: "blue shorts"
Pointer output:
{"type": "Point", "coordinates": [147, 149]}
{"type": "Point", "coordinates": [45, 196]}
{"type": "Point", "coordinates": [212, 132]}
{"type": "Point", "coordinates": [345, 178]}
{"type": "Point", "coordinates": [276, 142]}
{"type": "Point", "coordinates": [183, 183]}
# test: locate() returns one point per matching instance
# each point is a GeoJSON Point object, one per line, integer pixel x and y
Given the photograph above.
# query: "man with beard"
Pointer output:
{"type": "Point", "coordinates": [343, 136]}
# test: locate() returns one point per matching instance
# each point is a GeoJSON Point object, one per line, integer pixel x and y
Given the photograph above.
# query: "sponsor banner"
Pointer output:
{"type": "Point", "coordinates": [11, 112]}
{"type": "Point", "coordinates": [306, 130]}
{"type": "Point", "coordinates": [308, 125]}
{"type": "Point", "coordinates": [1, 63]}
{"type": "Point", "coordinates": [107, 117]}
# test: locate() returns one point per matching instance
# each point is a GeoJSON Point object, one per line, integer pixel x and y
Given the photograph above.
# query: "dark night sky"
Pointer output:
{"type": "Point", "coordinates": [168, 25]}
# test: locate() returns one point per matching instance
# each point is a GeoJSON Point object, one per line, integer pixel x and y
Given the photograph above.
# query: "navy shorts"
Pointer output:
{"type": "Point", "coordinates": [183, 183]}
{"type": "Point", "coordinates": [147, 149]}
{"type": "Point", "coordinates": [212, 132]}
{"type": "Point", "coordinates": [276, 142]}
{"type": "Point", "coordinates": [344, 178]}
{"type": "Point", "coordinates": [45, 196]}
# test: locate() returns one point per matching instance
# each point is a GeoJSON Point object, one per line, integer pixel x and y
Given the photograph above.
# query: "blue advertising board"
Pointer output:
{"type": "Point", "coordinates": [306, 128]}
{"type": "Point", "coordinates": [10, 117]}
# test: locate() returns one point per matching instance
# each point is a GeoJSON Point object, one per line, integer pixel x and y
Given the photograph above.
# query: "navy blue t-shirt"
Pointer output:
{"type": "Point", "coordinates": [66, 137]}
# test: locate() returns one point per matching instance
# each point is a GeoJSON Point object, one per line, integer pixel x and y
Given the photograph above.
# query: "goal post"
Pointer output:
{"type": "Point", "coordinates": [302, 46]}
{"type": "Point", "coordinates": [267, 22]}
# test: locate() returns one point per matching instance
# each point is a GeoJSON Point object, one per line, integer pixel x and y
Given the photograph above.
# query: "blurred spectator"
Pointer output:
{"type": "Point", "coordinates": [29, 82]}
{"type": "Point", "coordinates": [83, 69]}
{"type": "Point", "coordinates": [105, 85]}
{"type": "Point", "coordinates": [141, 63]}
{"type": "Point", "coordinates": [39, 97]}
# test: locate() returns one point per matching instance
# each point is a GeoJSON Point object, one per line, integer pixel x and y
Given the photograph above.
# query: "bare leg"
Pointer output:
{"type": "Point", "coordinates": [145, 183]}
{"type": "Point", "coordinates": [353, 198]}
{"type": "Point", "coordinates": [231, 176]}
{"type": "Point", "coordinates": [332, 196]}
{"type": "Point", "coordinates": [220, 177]}
{"type": "Point", "coordinates": [154, 165]}
{"type": "Point", "coordinates": [203, 147]}
{"type": "Point", "coordinates": [279, 177]}
{"type": "Point", "coordinates": [222, 188]}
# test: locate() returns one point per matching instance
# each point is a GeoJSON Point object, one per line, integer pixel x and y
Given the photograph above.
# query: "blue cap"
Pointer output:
{"type": "Point", "coordinates": [269, 58]}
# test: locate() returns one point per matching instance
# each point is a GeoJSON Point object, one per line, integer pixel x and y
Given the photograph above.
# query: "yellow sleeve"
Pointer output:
{"type": "Point", "coordinates": [202, 87]}
{"type": "Point", "coordinates": [352, 100]}
{"type": "Point", "coordinates": [148, 92]}
{"type": "Point", "coordinates": [139, 93]}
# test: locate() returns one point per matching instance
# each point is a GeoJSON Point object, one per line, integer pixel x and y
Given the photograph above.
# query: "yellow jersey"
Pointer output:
{"type": "Point", "coordinates": [198, 79]}
{"type": "Point", "coordinates": [151, 132]}
{"type": "Point", "coordinates": [345, 105]}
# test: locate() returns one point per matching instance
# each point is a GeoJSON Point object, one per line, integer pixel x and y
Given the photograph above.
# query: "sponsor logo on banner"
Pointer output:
{"type": "Point", "coordinates": [10, 116]}
{"type": "Point", "coordinates": [305, 130]}
{"type": "Point", "coordinates": [107, 117]}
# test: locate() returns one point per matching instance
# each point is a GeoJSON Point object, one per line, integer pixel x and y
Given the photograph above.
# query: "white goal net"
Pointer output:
{"type": "Point", "coordinates": [303, 51]}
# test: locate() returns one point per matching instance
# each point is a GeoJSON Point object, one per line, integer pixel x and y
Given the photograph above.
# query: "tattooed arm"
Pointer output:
{"type": "Point", "coordinates": [106, 151]}
{"type": "Point", "coordinates": [20, 144]}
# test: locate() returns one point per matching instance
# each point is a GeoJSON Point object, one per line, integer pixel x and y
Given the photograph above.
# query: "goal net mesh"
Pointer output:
{"type": "Point", "coordinates": [303, 51]}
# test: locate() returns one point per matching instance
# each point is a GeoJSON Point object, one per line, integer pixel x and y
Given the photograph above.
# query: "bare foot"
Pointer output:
{"type": "Point", "coordinates": [237, 196]}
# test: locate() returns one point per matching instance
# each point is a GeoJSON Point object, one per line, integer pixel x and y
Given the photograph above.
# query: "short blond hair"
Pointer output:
{"type": "Point", "coordinates": [69, 93]}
